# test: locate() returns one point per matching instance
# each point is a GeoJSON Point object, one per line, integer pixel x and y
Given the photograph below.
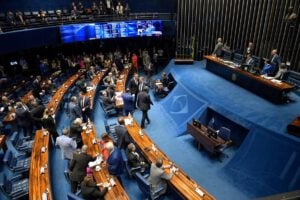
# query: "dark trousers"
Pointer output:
{"type": "Point", "coordinates": [144, 117]}
{"type": "Point", "coordinates": [86, 115]}
{"type": "Point", "coordinates": [74, 186]}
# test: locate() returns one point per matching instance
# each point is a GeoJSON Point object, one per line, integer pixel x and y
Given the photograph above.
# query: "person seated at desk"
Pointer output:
{"type": "Point", "coordinates": [275, 62]}
{"type": "Point", "coordinates": [158, 176]}
{"type": "Point", "coordinates": [90, 189]}
{"type": "Point", "coordinates": [267, 69]}
{"type": "Point", "coordinates": [164, 79]}
{"type": "Point", "coordinates": [114, 70]}
{"type": "Point", "coordinates": [282, 70]}
{"type": "Point", "coordinates": [218, 48]}
{"type": "Point", "coordinates": [109, 80]}
{"type": "Point", "coordinates": [134, 159]}
{"type": "Point", "coordinates": [108, 102]}
{"type": "Point", "coordinates": [160, 91]}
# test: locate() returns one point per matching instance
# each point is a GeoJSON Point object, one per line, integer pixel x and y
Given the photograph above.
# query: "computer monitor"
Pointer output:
{"type": "Point", "coordinates": [212, 132]}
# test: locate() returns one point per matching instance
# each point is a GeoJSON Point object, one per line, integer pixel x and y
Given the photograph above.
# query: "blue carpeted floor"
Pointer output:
{"type": "Point", "coordinates": [267, 162]}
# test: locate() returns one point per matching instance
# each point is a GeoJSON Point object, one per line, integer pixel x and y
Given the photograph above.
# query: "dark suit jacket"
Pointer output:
{"type": "Point", "coordinates": [36, 88]}
{"type": "Point", "coordinates": [74, 111]}
{"type": "Point", "coordinates": [78, 166]}
{"type": "Point", "coordinates": [122, 135]}
{"type": "Point", "coordinates": [37, 112]}
{"type": "Point", "coordinates": [128, 100]}
{"type": "Point", "coordinates": [107, 102]}
{"type": "Point", "coordinates": [49, 124]}
{"type": "Point", "coordinates": [275, 62]}
{"type": "Point", "coordinates": [115, 162]}
{"type": "Point", "coordinates": [75, 131]}
{"type": "Point", "coordinates": [84, 102]}
{"type": "Point", "coordinates": [23, 117]}
{"type": "Point", "coordinates": [144, 101]}
{"type": "Point", "coordinates": [133, 159]}
{"type": "Point", "coordinates": [92, 192]}
{"type": "Point", "coordinates": [133, 86]}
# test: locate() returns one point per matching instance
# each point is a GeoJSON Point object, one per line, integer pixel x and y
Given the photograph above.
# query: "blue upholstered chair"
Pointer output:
{"type": "Point", "coordinates": [130, 170]}
{"type": "Point", "coordinates": [108, 111]}
{"type": "Point", "coordinates": [15, 188]}
{"type": "Point", "coordinates": [17, 164]}
{"type": "Point", "coordinates": [21, 143]}
{"type": "Point", "coordinates": [146, 187]}
{"type": "Point", "coordinates": [225, 134]}
{"type": "Point", "coordinates": [72, 196]}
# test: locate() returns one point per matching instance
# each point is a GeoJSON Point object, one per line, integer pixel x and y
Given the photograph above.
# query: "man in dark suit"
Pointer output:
{"type": "Point", "coordinates": [108, 102]}
{"type": "Point", "coordinates": [36, 87]}
{"type": "Point", "coordinates": [144, 102]}
{"type": "Point", "coordinates": [114, 161]}
{"type": "Point", "coordinates": [78, 167]}
{"type": "Point", "coordinates": [75, 131]}
{"type": "Point", "coordinates": [128, 100]}
{"type": "Point", "coordinates": [74, 109]}
{"type": "Point", "coordinates": [85, 106]}
{"type": "Point", "coordinates": [134, 86]}
{"type": "Point", "coordinates": [275, 62]}
{"type": "Point", "coordinates": [23, 118]}
{"type": "Point", "coordinates": [122, 135]}
{"type": "Point", "coordinates": [37, 112]}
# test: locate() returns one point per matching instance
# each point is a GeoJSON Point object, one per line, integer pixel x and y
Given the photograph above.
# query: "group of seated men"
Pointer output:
{"type": "Point", "coordinates": [273, 67]}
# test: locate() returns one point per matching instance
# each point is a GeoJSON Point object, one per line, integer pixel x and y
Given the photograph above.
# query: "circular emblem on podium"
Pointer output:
{"type": "Point", "coordinates": [233, 77]}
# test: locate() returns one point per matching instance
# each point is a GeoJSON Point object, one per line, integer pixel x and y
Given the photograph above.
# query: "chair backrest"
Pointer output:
{"type": "Point", "coordinates": [14, 138]}
{"type": "Point", "coordinates": [238, 58]}
{"type": "Point", "coordinates": [72, 196]}
{"type": "Point", "coordinates": [225, 133]}
{"type": "Point", "coordinates": [143, 184]}
{"type": "Point", "coordinates": [8, 157]}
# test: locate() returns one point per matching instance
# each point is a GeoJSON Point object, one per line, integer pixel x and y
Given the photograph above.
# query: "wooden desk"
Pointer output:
{"type": "Point", "coordinates": [266, 88]}
{"type": "Point", "coordinates": [117, 191]}
{"type": "Point", "coordinates": [121, 86]}
{"type": "Point", "coordinates": [39, 183]}
{"type": "Point", "coordinates": [294, 127]}
{"type": "Point", "coordinates": [57, 97]}
{"type": "Point", "coordinates": [95, 82]}
{"type": "Point", "coordinates": [181, 182]}
{"type": "Point", "coordinates": [204, 141]}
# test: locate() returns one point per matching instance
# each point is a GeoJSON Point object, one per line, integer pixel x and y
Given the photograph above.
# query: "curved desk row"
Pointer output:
{"type": "Point", "coordinates": [121, 86]}
{"type": "Point", "coordinates": [39, 178]}
{"type": "Point", "coordinates": [181, 182]}
{"type": "Point", "coordinates": [95, 82]}
{"type": "Point", "coordinates": [89, 137]}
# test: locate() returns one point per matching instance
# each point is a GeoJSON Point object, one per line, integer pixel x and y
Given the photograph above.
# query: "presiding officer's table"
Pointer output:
{"type": "Point", "coordinates": [272, 90]}
{"type": "Point", "coordinates": [39, 182]}
{"type": "Point", "coordinates": [181, 182]}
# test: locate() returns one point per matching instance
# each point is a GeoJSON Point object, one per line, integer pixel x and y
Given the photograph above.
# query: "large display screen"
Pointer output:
{"type": "Point", "coordinates": [91, 31]}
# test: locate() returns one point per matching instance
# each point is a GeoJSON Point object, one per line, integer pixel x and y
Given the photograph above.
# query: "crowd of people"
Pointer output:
{"type": "Point", "coordinates": [76, 10]}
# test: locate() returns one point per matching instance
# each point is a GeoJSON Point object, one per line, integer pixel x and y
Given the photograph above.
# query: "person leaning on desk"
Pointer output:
{"type": "Point", "coordinates": [158, 176]}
